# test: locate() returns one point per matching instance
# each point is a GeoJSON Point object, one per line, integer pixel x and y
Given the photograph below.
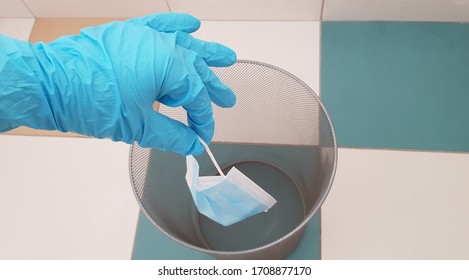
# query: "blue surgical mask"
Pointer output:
{"type": "Point", "coordinates": [225, 199]}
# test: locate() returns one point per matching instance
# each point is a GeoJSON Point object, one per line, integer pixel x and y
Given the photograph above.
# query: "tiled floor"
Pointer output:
{"type": "Point", "coordinates": [390, 204]}
{"type": "Point", "coordinates": [397, 94]}
{"type": "Point", "coordinates": [65, 198]}
{"type": "Point", "coordinates": [251, 40]}
{"type": "Point", "coordinates": [152, 244]}
{"type": "Point", "coordinates": [397, 86]}
{"type": "Point", "coordinates": [296, 53]}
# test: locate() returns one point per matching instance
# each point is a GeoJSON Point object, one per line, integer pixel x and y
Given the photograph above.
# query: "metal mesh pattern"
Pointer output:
{"type": "Point", "coordinates": [273, 108]}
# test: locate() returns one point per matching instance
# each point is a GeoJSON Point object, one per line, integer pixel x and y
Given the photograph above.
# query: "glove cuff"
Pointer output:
{"type": "Point", "coordinates": [22, 98]}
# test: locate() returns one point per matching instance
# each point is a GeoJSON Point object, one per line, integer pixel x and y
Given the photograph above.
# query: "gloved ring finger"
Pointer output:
{"type": "Point", "coordinates": [219, 93]}
{"type": "Point", "coordinates": [200, 116]}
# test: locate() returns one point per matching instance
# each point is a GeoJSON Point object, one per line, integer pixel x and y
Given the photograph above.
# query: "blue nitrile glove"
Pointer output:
{"type": "Point", "coordinates": [103, 82]}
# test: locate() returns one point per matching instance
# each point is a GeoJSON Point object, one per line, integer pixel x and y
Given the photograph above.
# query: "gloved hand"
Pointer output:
{"type": "Point", "coordinates": [104, 81]}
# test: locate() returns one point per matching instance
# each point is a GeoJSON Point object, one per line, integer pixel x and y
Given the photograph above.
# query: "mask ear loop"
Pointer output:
{"type": "Point", "coordinates": [211, 157]}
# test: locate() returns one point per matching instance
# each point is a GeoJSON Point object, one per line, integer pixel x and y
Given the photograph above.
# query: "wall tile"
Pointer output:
{"type": "Point", "coordinates": [249, 9]}
{"type": "Point", "coordinates": [95, 8]}
{"type": "Point", "coordinates": [397, 10]}
{"type": "Point", "coordinates": [14, 9]}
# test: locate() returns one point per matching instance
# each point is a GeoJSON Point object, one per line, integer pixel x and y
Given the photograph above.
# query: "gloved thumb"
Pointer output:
{"type": "Point", "coordinates": [168, 22]}
{"type": "Point", "coordinates": [164, 133]}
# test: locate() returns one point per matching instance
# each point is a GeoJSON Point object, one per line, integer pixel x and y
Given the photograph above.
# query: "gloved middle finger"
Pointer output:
{"type": "Point", "coordinates": [168, 22]}
{"type": "Point", "coordinates": [214, 54]}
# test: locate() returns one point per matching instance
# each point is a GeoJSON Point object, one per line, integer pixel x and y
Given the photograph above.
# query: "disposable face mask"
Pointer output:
{"type": "Point", "coordinates": [225, 199]}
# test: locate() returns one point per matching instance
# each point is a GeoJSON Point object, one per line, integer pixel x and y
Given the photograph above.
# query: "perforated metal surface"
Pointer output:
{"type": "Point", "coordinates": [277, 120]}
{"type": "Point", "coordinates": [272, 107]}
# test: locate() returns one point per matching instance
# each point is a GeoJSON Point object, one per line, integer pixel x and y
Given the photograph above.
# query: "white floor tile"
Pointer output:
{"type": "Point", "coordinates": [18, 28]}
{"type": "Point", "coordinates": [65, 198]}
{"type": "Point", "coordinates": [292, 46]}
{"type": "Point", "coordinates": [397, 205]}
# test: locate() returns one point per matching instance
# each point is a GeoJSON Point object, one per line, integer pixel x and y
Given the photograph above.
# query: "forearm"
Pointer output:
{"type": "Point", "coordinates": [22, 98]}
{"type": "Point", "coordinates": [46, 86]}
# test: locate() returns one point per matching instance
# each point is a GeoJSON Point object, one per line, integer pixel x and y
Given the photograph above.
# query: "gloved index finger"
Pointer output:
{"type": "Point", "coordinates": [168, 22]}
{"type": "Point", "coordinates": [214, 54]}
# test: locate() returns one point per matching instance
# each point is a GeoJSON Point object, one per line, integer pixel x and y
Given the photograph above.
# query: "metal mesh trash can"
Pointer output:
{"type": "Point", "coordinates": [278, 134]}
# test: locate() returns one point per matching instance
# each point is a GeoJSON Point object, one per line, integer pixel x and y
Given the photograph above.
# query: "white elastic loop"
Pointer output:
{"type": "Point", "coordinates": [211, 157]}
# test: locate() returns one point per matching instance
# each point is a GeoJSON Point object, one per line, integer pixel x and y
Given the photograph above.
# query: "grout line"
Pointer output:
{"type": "Point", "coordinates": [320, 232]}
{"type": "Point", "coordinates": [29, 9]}
{"type": "Point", "coordinates": [403, 150]}
{"type": "Point", "coordinates": [320, 59]}
{"type": "Point", "coordinates": [259, 20]}
{"type": "Point", "coordinates": [320, 50]}
{"type": "Point", "coordinates": [167, 5]}
{"type": "Point", "coordinates": [320, 97]}
{"type": "Point", "coordinates": [321, 16]}
{"type": "Point", "coordinates": [137, 224]}
{"type": "Point", "coordinates": [31, 29]}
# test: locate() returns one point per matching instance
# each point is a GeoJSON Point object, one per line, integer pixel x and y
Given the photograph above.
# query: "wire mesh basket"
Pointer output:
{"type": "Point", "coordinates": [279, 134]}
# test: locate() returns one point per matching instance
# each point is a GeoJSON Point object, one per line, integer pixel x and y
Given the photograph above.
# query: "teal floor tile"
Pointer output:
{"type": "Point", "coordinates": [152, 244]}
{"type": "Point", "coordinates": [397, 85]}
